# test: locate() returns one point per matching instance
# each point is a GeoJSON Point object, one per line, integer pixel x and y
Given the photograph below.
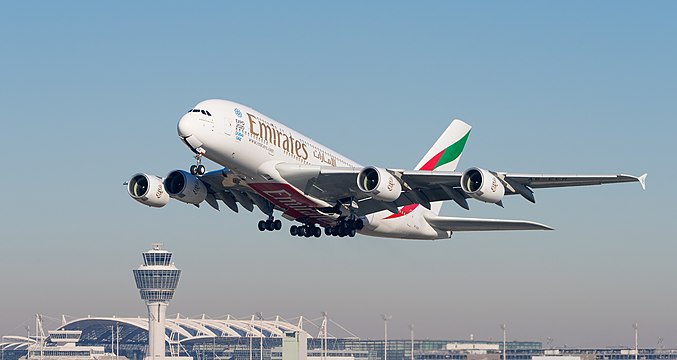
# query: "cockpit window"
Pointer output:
{"type": "Point", "coordinates": [204, 112]}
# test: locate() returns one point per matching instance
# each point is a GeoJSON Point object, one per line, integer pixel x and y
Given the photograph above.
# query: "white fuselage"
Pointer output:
{"type": "Point", "coordinates": [250, 145]}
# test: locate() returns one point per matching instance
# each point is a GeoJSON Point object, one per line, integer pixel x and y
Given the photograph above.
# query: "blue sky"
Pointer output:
{"type": "Point", "coordinates": [91, 93]}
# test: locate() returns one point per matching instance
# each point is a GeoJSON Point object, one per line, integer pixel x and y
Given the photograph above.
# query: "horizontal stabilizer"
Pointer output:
{"type": "Point", "coordinates": [471, 224]}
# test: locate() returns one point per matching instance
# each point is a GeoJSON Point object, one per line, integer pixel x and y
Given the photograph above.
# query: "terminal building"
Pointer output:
{"type": "Point", "coordinates": [255, 339]}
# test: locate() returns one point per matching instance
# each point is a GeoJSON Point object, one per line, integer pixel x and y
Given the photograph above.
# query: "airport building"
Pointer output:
{"type": "Point", "coordinates": [260, 339]}
{"type": "Point", "coordinates": [157, 337]}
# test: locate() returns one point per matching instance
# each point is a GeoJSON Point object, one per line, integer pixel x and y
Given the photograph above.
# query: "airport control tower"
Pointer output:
{"type": "Point", "coordinates": [156, 280]}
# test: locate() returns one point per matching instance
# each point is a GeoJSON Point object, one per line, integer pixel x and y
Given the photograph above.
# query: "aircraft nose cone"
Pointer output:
{"type": "Point", "coordinates": [184, 127]}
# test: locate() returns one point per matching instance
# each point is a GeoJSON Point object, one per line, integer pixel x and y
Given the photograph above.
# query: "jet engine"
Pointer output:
{"type": "Point", "coordinates": [379, 183]}
{"type": "Point", "coordinates": [148, 190]}
{"type": "Point", "coordinates": [482, 185]}
{"type": "Point", "coordinates": [183, 186]}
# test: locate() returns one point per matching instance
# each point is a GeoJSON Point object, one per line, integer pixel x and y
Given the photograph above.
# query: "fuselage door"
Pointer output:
{"type": "Point", "coordinates": [228, 125]}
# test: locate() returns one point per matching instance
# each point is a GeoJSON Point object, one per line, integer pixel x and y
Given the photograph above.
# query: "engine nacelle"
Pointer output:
{"type": "Point", "coordinates": [482, 185]}
{"type": "Point", "coordinates": [148, 190]}
{"type": "Point", "coordinates": [379, 183]}
{"type": "Point", "coordinates": [185, 187]}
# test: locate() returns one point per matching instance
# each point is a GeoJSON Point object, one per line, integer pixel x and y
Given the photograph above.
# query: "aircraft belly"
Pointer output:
{"type": "Point", "coordinates": [294, 203]}
{"type": "Point", "coordinates": [404, 227]}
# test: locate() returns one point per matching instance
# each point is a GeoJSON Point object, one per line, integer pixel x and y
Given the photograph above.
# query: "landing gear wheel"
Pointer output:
{"type": "Point", "coordinates": [193, 169]}
{"type": "Point", "coordinates": [293, 230]}
{"type": "Point", "coordinates": [200, 170]}
{"type": "Point", "coordinates": [351, 233]}
{"type": "Point", "coordinates": [301, 231]}
{"type": "Point", "coordinates": [277, 224]}
{"type": "Point", "coordinates": [317, 232]}
{"type": "Point", "coordinates": [327, 231]}
{"type": "Point", "coordinates": [359, 224]}
{"type": "Point", "coordinates": [269, 225]}
{"type": "Point", "coordinates": [262, 225]}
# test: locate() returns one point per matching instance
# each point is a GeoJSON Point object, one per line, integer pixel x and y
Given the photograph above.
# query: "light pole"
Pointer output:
{"type": "Point", "coordinates": [260, 316]}
{"type": "Point", "coordinates": [385, 318]}
{"type": "Point", "coordinates": [251, 336]}
{"type": "Point", "coordinates": [503, 327]}
{"type": "Point", "coordinates": [411, 332]}
{"type": "Point", "coordinates": [636, 327]}
{"type": "Point", "coordinates": [324, 335]}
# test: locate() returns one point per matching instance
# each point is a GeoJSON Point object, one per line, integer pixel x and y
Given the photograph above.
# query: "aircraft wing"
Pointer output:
{"type": "Point", "coordinates": [222, 185]}
{"type": "Point", "coordinates": [339, 184]}
{"type": "Point", "coordinates": [470, 224]}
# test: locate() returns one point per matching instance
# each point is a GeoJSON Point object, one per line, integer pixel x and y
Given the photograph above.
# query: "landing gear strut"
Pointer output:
{"type": "Point", "coordinates": [198, 169]}
{"type": "Point", "coordinates": [270, 225]}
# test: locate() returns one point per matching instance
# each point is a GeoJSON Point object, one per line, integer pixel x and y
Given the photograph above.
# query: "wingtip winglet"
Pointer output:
{"type": "Point", "coordinates": [642, 181]}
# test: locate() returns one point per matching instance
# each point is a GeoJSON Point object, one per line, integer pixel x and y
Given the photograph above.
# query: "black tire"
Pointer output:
{"type": "Point", "coordinates": [262, 225]}
{"type": "Point", "coordinates": [269, 225]}
{"type": "Point", "coordinates": [350, 224]}
{"type": "Point", "coordinates": [317, 232]}
{"type": "Point", "coordinates": [277, 224]}
{"type": "Point", "coordinates": [359, 224]}
{"type": "Point", "coordinates": [301, 231]}
{"type": "Point", "coordinates": [201, 170]}
{"type": "Point", "coordinates": [352, 233]}
{"type": "Point", "coordinates": [327, 231]}
{"type": "Point", "coordinates": [193, 169]}
{"type": "Point", "coordinates": [334, 231]}
{"type": "Point", "coordinates": [293, 230]}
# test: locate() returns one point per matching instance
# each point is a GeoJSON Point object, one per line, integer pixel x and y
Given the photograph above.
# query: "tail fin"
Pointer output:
{"type": "Point", "coordinates": [446, 153]}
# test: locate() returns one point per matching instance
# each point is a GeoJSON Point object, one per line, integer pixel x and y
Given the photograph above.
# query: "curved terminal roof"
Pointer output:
{"type": "Point", "coordinates": [184, 329]}
{"type": "Point", "coordinates": [16, 343]}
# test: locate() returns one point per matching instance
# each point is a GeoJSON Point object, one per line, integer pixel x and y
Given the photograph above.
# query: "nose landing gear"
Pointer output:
{"type": "Point", "coordinates": [198, 169]}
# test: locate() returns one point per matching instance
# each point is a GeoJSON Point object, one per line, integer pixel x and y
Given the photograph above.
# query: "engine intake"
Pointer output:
{"type": "Point", "coordinates": [148, 190]}
{"type": "Point", "coordinates": [482, 185]}
{"type": "Point", "coordinates": [183, 186]}
{"type": "Point", "coordinates": [379, 183]}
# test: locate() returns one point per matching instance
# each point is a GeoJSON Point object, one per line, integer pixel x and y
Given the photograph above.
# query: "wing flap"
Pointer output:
{"type": "Point", "coordinates": [474, 224]}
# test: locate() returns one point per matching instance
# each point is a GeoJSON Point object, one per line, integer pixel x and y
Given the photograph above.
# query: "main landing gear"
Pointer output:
{"type": "Point", "coordinates": [270, 224]}
{"type": "Point", "coordinates": [345, 228]}
{"type": "Point", "coordinates": [198, 169]}
{"type": "Point", "coordinates": [305, 230]}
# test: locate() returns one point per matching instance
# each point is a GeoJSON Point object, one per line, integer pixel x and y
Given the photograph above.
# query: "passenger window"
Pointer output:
{"type": "Point", "coordinates": [203, 112]}
{"type": "Point", "coordinates": [208, 114]}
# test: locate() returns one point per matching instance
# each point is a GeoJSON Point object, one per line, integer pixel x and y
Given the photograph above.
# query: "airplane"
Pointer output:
{"type": "Point", "coordinates": [268, 165]}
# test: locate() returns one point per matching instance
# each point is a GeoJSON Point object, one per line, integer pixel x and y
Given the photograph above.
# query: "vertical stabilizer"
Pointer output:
{"type": "Point", "coordinates": [446, 152]}
{"type": "Point", "coordinates": [443, 156]}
